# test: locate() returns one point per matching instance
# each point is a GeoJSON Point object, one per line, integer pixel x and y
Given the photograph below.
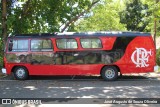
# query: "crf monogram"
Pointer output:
{"type": "Point", "coordinates": [140, 57]}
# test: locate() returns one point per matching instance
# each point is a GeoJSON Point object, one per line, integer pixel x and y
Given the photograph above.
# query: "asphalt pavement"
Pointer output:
{"type": "Point", "coordinates": [128, 86]}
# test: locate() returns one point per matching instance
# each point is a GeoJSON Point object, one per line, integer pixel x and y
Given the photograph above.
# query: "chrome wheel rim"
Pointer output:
{"type": "Point", "coordinates": [20, 72]}
{"type": "Point", "coordinates": [110, 73]}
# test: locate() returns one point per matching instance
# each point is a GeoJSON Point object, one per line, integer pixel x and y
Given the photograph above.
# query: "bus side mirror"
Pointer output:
{"type": "Point", "coordinates": [10, 46]}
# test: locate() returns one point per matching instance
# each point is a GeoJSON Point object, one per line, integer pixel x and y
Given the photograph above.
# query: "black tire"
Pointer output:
{"type": "Point", "coordinates": [20, 73]}
{"type": "Point", "coordinates": [109, 73]}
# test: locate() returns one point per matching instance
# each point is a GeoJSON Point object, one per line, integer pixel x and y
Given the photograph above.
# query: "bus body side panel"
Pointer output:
{"type": "Point", "coordinates": [87, 69]}
{"type": "Point", "coordinates": [139, 56]}
{"type": "Point", "coordinates": [46, 63]}
{"type": "Point", "coordinates": [15, 59]}
{"type": "Point", "coordinates": [9, 68]}
{"type": "Point", "coordinates": [108, 42]}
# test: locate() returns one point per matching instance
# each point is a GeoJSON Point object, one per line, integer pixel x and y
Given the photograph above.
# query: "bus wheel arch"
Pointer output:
{"type": "Point", "coordinates": [110, 72]}
{"type": "Point", "coordinates": [20, 72]}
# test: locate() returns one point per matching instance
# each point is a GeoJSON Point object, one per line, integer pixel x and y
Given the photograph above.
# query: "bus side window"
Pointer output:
{"type": "Point", "coordinates": [20, 45]}
{"type": "Point", "coordinates": [91, 43]}
{"type": "Point", "coordinates": [66, 43]}
{"type": "Point", "coordinates": [41, 45]}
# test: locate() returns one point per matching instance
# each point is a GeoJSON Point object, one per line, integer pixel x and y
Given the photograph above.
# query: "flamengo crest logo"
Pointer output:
{"type": "Point", "coordinates": [140, 57]}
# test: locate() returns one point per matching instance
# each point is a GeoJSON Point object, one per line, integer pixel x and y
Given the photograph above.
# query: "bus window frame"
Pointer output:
{"type": "Point", "coordinates": [66, 48]}
{"type": "Point", "coordinates": [91, 38]}
{"type": "Point", "coordinates": [7, 48]}
{"type": "Point", "coordinates": [41, 50]}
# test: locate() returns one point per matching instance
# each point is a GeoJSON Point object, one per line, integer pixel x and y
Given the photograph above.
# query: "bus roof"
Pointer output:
{"type": "Point", "coordinates": [118, 34]}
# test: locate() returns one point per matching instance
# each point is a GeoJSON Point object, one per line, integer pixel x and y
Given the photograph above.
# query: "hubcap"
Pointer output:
{"type": "Point", "coordinates": [20, 72]}
{"type": "Point", "coordinates": [110, 73]}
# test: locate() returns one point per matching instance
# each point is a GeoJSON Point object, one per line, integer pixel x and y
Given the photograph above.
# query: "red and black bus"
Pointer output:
{"type": "Point", "coordinates": [92, 53]}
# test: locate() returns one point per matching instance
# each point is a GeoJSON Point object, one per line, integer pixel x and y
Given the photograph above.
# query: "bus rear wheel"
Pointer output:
{"type": "Point", "coordinates": [20, 73]}
{"type": "Point", "coordinates": [109, 73]}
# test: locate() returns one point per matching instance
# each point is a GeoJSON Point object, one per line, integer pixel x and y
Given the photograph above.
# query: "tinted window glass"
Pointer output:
{"type": "Point", "coordinates": [41, 45]}
{"type": "Point", "coordinates": [66, 43]}
{"type": "Point", "coordinates": [18, 45]}
{"type": "Point", "coordinates": [91, 43]}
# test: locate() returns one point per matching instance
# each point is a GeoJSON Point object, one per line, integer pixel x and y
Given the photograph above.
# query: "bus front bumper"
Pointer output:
{"type": "Point", "coordinates": [4, 71]}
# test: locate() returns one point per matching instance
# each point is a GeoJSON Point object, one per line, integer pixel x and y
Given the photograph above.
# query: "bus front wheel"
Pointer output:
{"type": "Point", "coordinates": [20, 73]}
{"type": "Point", "coordinates": [109, 73]}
